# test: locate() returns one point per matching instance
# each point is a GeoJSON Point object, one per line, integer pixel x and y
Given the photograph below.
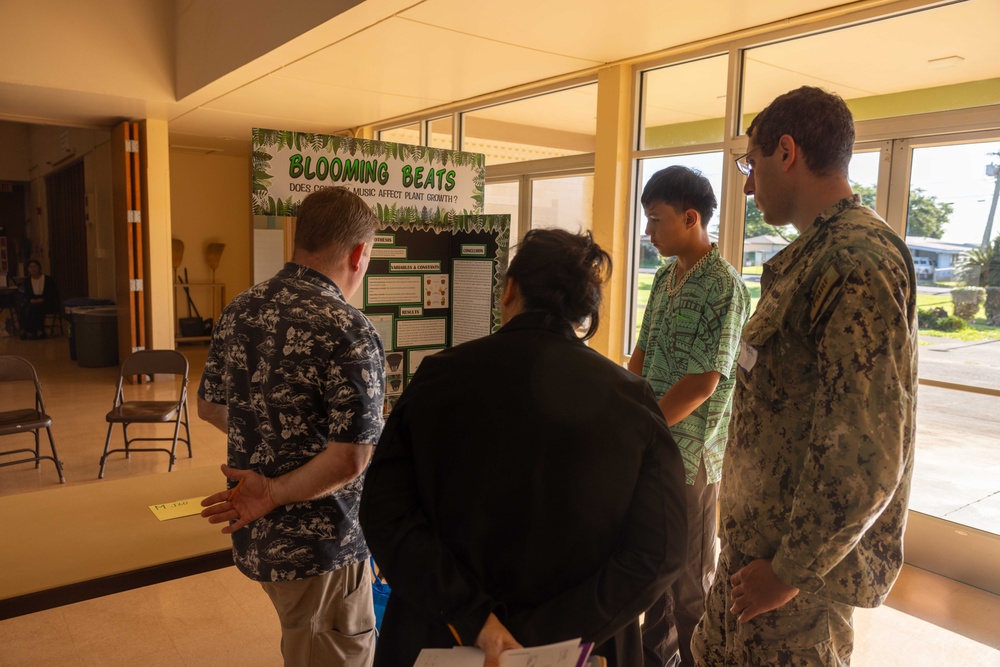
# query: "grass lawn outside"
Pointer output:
{"type": "Point", "coordinates": [978, 329]}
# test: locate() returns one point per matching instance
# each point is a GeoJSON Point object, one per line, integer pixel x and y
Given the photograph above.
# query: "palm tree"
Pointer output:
{"type": "Point", "coordinates": [981, 266]}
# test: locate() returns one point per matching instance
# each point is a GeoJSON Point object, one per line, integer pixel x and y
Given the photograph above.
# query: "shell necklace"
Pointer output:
{"type": "Point", "coordinates": [672, 291]}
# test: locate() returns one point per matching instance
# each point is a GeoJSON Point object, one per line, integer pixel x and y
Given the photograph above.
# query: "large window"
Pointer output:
{"type": "Point", "coordinates": [566, 202]}
{"type": "Point", "coordinates": [439, 133]}
{"type": "Point", "coordinates": [684, 104]}
{"type": "Point", "coordinates": [551, 125]}
{"type": "Point", "coordinates": [934, 60]}
{"type": "Point", "coordinates": [503, 198]}
{"type": "Point", "coordinates": [404, 134]}
{"type": "Point", "coordinates": [951, 194]}
{"type": "Point", "coordinates": [952, 189]}
{"type": "Point", "coordinates": [681, 122]}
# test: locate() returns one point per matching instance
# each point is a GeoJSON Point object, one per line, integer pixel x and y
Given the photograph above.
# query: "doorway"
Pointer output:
{"type": "Point", "coordinates": [65, 197]}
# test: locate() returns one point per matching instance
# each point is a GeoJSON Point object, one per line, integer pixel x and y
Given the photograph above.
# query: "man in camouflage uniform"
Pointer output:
{"type": "Point", "coordinates": [816, 477]}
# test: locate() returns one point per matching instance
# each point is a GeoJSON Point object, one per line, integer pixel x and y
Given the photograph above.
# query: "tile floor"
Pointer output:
{"type": "Point", "coordinates": [216, 618]}
{"type": "Point", "coordinates": [77, 399]}
{"type": "Point", "coordinates": [222, 618]}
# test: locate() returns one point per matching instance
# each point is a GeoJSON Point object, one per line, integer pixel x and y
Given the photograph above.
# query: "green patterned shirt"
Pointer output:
{"type": "Point", "coordinates": [697, 331]}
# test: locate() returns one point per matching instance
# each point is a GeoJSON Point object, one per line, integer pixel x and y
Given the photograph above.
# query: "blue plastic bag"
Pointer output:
{"type": "Point", "coordinates": [380, 595]}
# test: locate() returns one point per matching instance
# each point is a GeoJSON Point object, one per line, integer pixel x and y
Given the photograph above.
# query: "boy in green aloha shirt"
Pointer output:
{"type": "Point", "coordinates": [687, 350]}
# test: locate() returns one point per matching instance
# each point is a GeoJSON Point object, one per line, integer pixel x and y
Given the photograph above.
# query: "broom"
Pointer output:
{"type": "Point", "coordinates": [177, 250]}
{"type": "Point", "coordinates": [213, 253]}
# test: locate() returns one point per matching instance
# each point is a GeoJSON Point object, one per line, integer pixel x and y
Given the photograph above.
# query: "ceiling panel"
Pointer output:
{"type": "Point", "coordinates": [415, 60]}
{"type": "Point", "coordinates": [892, 55]}
{"type": "Point", "coordinates": [229, 125]}
{"type": "Point", "coordinates": [331, 103]}
{"type": "Point", "coordinates": [604, 31]}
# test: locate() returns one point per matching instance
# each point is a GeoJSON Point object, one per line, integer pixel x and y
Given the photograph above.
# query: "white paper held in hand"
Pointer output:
{"type": "Point", "coordinates": [563, 654]}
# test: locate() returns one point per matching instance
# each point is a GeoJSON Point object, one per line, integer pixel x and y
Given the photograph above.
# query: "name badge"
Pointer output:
{"type": "Point", "coordinates": [748, 356]}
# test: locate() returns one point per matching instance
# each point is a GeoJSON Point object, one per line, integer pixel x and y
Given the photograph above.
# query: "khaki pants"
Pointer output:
{"type": "Point", "coordinates": [808, 631]}
{"type": "Point", "coordinates": [326, 620]}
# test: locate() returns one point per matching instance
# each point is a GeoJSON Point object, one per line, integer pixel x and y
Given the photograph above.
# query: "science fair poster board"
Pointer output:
{"type": "Point", "coordinates": [437, 266]}
{"type": "Point", "coordinates": [429, 287]}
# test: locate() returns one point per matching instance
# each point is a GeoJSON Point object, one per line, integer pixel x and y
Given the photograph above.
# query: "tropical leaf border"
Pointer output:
{"type": "Point", "coordinates": [265, 142]}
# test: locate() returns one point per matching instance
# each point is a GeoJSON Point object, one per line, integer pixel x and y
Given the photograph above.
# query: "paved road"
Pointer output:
{"type": "Point", "coordinates": [964, 362]}
{"type": "Point", "coordinates": [957, 473]}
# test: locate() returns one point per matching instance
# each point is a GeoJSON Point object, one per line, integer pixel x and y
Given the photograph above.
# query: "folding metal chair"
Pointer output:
{"type": "Point", "coordinates": [53, 320]}
{"type": "Point", "coordinates": [150, 363]}
{"type": "Point", "coordinates": [17, 376]}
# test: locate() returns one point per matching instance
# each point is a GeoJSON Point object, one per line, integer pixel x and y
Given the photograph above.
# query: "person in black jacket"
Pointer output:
{"type": "Point", "coordinates": [526, 489]}
{"type": "Point", "coordinates": [39, 298]}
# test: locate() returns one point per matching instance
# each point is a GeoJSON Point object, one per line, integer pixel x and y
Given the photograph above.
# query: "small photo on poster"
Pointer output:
{"type": "Point", "coordinates": [394, 384]}
{"type": "Point", "coordinates": [436, 290]}
{"type": "Point", "coordinates": [390, 402]}
{"type": "Point", "coordinates": [393, 362]}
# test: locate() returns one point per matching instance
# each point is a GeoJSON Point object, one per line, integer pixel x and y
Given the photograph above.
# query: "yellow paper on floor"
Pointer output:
{"type": "Point", "coordinates": [178, 508]}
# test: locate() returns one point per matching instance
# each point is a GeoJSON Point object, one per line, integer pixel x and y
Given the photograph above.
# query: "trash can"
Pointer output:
{"type": "Point", "coordinates": [96, 334]}
{"type": "Point", "coordinates": [71, 306]}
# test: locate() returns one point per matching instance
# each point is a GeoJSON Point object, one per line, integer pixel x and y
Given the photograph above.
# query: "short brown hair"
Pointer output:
{"type": "Point", "coordinates": [334, 219]}
{"type": "Point", "coordinates": [818, 121]}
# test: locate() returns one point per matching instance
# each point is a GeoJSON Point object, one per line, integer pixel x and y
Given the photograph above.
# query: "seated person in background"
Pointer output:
{"type": "Point", "coordinates": [39, 298]}
{"type": "Point", "coordinates": [526, 489]}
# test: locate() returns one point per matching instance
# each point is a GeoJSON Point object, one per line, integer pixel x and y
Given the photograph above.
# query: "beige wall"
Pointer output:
{"type": "Point", "coordinates": [13, 152]}
{"type": "Point", "coordinates": [112, 47]}
{"type": "Point", "coordinates": [210, 203]}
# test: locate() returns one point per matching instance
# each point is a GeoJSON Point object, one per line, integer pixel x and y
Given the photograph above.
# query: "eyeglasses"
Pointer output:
{"type": "Point", "coordinates": [742, 164]}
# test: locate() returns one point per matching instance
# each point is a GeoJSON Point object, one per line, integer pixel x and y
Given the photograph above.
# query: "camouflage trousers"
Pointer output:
{"type": "Point", "coordinates": [808, 631]}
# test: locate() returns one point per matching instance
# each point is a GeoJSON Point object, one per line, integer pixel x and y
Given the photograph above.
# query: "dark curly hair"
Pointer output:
{"type": "Point", "coordinates": [820, 123]}
{"type": "Point", "coordinates": [561, 273]}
